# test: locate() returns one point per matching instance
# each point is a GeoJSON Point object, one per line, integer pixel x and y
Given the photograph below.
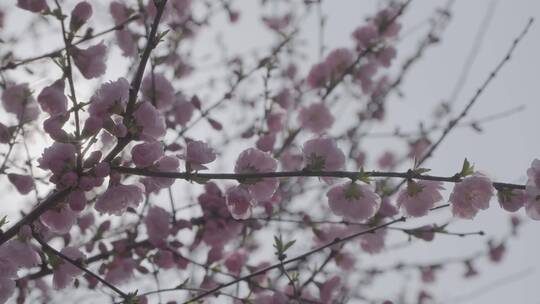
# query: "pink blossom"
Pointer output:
{"type": "Point", "coordinates": [120, 270]}
{"type": "Point", "coordinates": [110, 98]}
{"type": "Point", "coordinates": [86, 221]}
{"type": "Point", "coordinates": [239, 202]}
{"type": "Point", "coordinates": [253, 160]}
{"type": "Point", "coordinates": [58, 158]}
{"type": "Point", "coordinates": [34, 6]}
{"type": "Point", "coordinates": [365, 36]}
{"type": "Point", "coordinates": [235, 261]}
{"type": "Point", "coordinates": [496, 252]}
{"type": "Point", "coordinates": [365, 74]}
{"type": "Point", "coordinates": [7, 288]}
{"type": "Point", "coordinates": [266, 142]}
{"type": "Point", "coordinates": [419, 197]}
{"type": "Point", "coordinates": [79, 15]}
{"type": "Point", "coordinates": [77, 200]}
{"type": "Point", "coordinates": [319, 75]}
{"type": "Point", "coordinates": [383, 19]}
{"type": "Point", "coordinates": [119, 12]}
{"type": "Point", "coordinates": [275, 297]}
{"type": "Point", "coordinates": [275, 121]}
{"type": "Point", "coordinates": [157, 225]}
{"type": "Point", "coordinates": [23, 183]}
{"type": "Point", "coordinates": [511, 200]}
{"type": "Point", "coordinates": [145, 154]}
{"type": "Point", "coordinates": [165, 164]}
{"type": "Point", "coordinates": [323, 154]}
{"type": "Point", "coordinates": [373, 242]}
{"type": "Point", "coordinates": [354, 202]}
{"type": "Point", "coordinates": [17, 99]}
{"type": "Point", "coordinates": [64, 273]}
{"type": "Point", "coordinates": [150, 120]}
{"type": "Point", "coordinates": [284, 99]}
{"type": "Point", "coordinates": [338, 61]}
{"type": "Point", "coordinates": [165, 259]}
{"type": "Point", "coordinates": [316, 118]}
{"type": "Point", "coordinates": [386, 55]}
{"type": "Point", "coordinates": [471, 195]}
{"type": "Point", "coordinates": [532, 188]}
{"type": "Point", "coordinates": [52, 99]}
{"type": "Point", "coordinates": [158, 90]}
{"type": "Point", "coordinates": [21, 254]}
{"type": "Point", "coordinates": [116, 199]}
{"type": "Point", "coordinates": [90, 61]}
{"type": "Point", "coordinates": [183, 110]}
{"type": "Point", "coordinates": [199, 153]}
{"type": "Point", "coordinates": [59, 220]}
{"type": "Point", "coordinates": [329, 289]}
{"type": "Point", "coordinates": [278, 23]}
{"type": "Point", "coordinates": [126, 42]}
{"type": "Point", "coordinates": [54, 127]}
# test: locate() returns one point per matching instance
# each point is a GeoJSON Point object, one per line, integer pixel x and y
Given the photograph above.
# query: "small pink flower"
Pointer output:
{"type": "Point", "coordinates": [23, 183]}
{"type": "Point", "coordinates": [323, 154]}
{"type": "Point", "coordinates": [119, 12]}
{"type": "Point", "coordinates": [199, 153]}
{"type": "Point", "coordinates": [418, 148]}
{"type": "Point", "coordinates": [266, 142]}
{"type": "Point", "coordinates": [77, 200]}
{"type": "Point", "coordinates": [90, 61]}
{"type": "Point", "coordinates": [365, 36]}
{"type": "Point", "coordinates": [511, 200]}
{"type": "Point", "coordinates": [157, 225]}
{"type": "Point", "coordinates": [235, 261]}
{"type": "Point", "coordinates": [284, 99]}
{"type": "Point", "coordinates": [165, 259]}
{"type": "Point", "coordinates": [34, 6]}
{"type": "Point", "coordinates": [354, 202]}
{"type": "Point", "coordinates": [17, 99]}
{"type": "Point", "coordinates": [496, 252]}
{"type": "Point", "coordinates": [86, 221]}
{"type": "Point", "coordinates": [59, 220]}
{"type": "Point", "coordinates": [339, 60]}
{"type": "Point", "coordinates": [239, 202]}
{"type": "Point", "coordinates": [150, 120]}
{"type": "Point", "coordinates": [58, 158]}
{"type": "Point", "coordinates": [183, 110]}
{"type": "Point", "coordinates": [79, 15]}
{"type": "Point", "coordinates": [146, 153]}
{"type": "Point", "coordinates": [165, 164]}
{"type": "Point", "coordinates": [7, 288]}
{"type": "Point", "coordinates": [316, 118]}
{"type": "Point", "coordinates": [253, 160]}
{"type": "Point", "coordinates": [329, 289]}
{"type": "Point", "coordinates": [52, 99]}
{"type": "Point", "coordinates": [158, 90]}
{"type": "Point", "coordinates": [275, 121]}
{"type": "Point", "coordinates": [118, 198]}
{"type": "Point", "coordinates": [471, 195]}
{"type": "Point", "coordinates": [126, 42]}
{"type": "Point", "coordinates": [21, 254]}
{"type": "Point", "coordinates": [110, 98]}
{"type": "Point", "coordinates": [419, 197]}
{"type": "Point", "coordinates": [386, 55]}
{"type": "Point", "coordinates": [65, 272]}
{"type": "Point", "coordinates": [120, 270]}
{"type": "Point", "coordinates": [373, 242]}
{"type": "Point", "coordinates": [54, 127]}
{"type": "Point", "coordinates": [319, 75]}
{"type": "Point", "coordinates": [278, 23]}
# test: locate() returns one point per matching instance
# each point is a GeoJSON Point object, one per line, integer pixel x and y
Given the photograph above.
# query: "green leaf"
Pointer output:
{"type": "Point", "coordinates": [363, 176]}
{"type": "Point", "coordinates": [467, 169]}
{"type": "Point", "coordinates": [281, 248]}
{"type": "Point", "coordinates": [3, 221]}
{"type": "Point", "coordinates": [421, 170]}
